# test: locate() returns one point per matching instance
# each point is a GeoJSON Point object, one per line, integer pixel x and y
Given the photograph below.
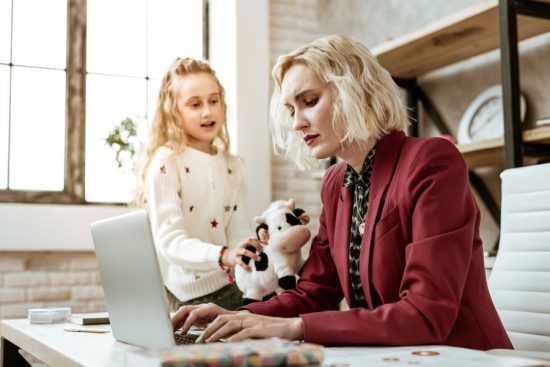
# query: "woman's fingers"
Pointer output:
{"type": "Point", "coordinates": [202, 315]}
{"type": "Point", "coordinates": [224, 330]}
{"type": "Point", "coordinates": [226, 325]}
{"type": "Point", "coordinates": [242, 326]}
{"type": "Point", "coordinates": [181, 315]}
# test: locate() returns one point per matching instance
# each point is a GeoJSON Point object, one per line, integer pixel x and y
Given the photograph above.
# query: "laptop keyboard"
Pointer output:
{"type": "Point", "coordinates": [185, 338]}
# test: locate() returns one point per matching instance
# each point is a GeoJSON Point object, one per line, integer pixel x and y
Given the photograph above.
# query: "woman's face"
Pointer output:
{"type": "Point", "coordinates": [200, 107]}
{"type": "Point", "coordinates": [309, 101]}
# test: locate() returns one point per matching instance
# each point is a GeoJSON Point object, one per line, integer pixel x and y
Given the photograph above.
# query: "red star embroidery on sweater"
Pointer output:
{"type": "Point", "coordinates": [187, 169]}
{"type": "Point", "coordinates": [163, 169]}
{"type": "Point", "coordinates": [214, 223]}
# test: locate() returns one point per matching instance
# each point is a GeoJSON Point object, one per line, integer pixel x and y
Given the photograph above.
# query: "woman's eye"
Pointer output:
{"type": "Point", "coordinates": [291, 112]}
{"type": "Point", "coordinates": [311, 102]}
{"type": "Point", "coordinates": [195, 105]}
{"type": "Point", "coordinates": [214, 101]}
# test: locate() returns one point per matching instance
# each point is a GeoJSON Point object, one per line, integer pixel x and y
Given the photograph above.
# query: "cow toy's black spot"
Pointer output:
{"type": "Point", "coordinates": [292, 219]}
{"type": "Point", "coordinates": [262, 264]}
{"type": "Point", "coordinates": [246, 259]}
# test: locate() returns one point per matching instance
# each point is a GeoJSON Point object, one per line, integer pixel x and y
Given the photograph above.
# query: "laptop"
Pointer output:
{"type": "Point", "coordinates": [134, 292]}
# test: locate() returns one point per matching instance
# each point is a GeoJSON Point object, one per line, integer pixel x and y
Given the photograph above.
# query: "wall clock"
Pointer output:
{"type": "Point", "coordinates": [484, 119]}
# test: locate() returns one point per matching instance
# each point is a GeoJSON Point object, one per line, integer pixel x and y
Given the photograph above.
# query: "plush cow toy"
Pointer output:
{"type": "Point", "coordinates": [283, 232]}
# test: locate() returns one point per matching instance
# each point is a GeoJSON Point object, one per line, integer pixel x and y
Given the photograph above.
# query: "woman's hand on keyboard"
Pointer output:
{"type": "Point", "coordinates": [197, 315]}
{"type": "Point", "coordinates": [235, 326]}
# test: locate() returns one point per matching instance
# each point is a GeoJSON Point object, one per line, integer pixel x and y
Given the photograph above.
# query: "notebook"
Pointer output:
{"type": "Point", "coordinates": [95, 318]}
{"type": "Point", "coordinates": [130, 273]}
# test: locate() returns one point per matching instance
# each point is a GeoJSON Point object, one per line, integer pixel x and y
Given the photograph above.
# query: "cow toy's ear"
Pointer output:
{"type": "Point", "coordinates": [302, 215]}
{"type": "Point", "coordinates": [291, 204]}
{"type": "Point", "coordinates": [262, 232]}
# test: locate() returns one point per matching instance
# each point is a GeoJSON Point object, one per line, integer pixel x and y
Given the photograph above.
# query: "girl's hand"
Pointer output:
{"type": "Point", "coordinates": [242, 325]}
{"type": "Point", "coordinates": [234, 256]}
{"type": "Point", "coordinates": [198, 315]}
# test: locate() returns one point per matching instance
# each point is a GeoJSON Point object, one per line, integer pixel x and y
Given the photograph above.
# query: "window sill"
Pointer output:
{"type": "Point", "coordinates": [51, 227]}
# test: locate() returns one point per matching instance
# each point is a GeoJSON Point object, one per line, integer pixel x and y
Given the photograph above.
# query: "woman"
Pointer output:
{"type": "Point", "coordinates": [399, 229]}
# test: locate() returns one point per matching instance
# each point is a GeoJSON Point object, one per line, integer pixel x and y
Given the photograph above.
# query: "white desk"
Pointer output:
{"type": "Point", "coordinates": [57, 347]}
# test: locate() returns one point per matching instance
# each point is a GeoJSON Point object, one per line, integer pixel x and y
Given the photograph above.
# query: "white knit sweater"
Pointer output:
{"type": "Point", "coordinates": [196, 204]}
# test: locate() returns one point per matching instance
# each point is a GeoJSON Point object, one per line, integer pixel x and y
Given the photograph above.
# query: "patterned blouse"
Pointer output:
{"type": "Point", "coordinates": [361, 184]}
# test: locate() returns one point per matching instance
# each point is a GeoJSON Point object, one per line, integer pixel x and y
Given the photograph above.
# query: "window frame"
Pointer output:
{"type": "Point", "coordinates": [75, 115]}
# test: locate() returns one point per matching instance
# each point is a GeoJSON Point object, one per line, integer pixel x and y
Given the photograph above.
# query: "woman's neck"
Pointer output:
{"type": "Point", "coordinates": [356, 152]}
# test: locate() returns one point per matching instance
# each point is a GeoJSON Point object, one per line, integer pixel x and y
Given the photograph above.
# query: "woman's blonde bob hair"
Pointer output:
{"type": "Point", "coordinates": [366, 98]}
{"type": "Point", "coordinates": [167, 129]}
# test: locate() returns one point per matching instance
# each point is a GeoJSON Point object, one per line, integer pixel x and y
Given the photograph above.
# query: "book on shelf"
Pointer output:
{"type": "Point", "coordinates": [251, 353]}
{"type": "Point", "coordinates": [543, 121]}
{"type": "Point", "coordinates": [95, 318]}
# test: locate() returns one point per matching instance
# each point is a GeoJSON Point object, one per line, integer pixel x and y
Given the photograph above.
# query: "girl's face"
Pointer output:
{"type": "Point", "coordinates": [200, 107]}
{"type": "Point", "coordinates": [309, 102]}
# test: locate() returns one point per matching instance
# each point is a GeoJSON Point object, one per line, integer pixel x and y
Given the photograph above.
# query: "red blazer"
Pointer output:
{"type": "Point", "coordinates": [421, 257]}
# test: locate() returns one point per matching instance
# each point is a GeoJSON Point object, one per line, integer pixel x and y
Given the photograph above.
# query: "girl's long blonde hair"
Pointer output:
{"type": "Point", "coordinates": [167, 129]}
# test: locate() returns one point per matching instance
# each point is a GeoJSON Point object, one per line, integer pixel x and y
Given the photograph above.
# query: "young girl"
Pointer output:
{"type": "Point", "coordinates": [193, 189]}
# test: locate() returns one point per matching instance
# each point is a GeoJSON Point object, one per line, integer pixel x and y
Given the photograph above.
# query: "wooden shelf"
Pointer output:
{"type": "Point", "coordinates": [451, 39]}
{"type": "Point", "coordinates": [490, 152]}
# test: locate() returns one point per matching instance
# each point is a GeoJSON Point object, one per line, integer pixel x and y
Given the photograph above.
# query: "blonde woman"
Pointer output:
{"type": "Point", "coordinates": [399, 230]}
{"type": "Point", "coordinates": [193, 189]}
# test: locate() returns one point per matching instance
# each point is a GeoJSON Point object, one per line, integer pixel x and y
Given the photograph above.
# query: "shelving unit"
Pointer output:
{"type": "Point", "coordinates": [489, 152]}
{"type": "Point", "coordinates": [468, 33]}
{"type": "Point", "coordinates": [463, 35]}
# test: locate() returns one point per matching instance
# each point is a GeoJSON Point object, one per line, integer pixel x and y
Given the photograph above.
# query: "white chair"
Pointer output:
{"type": "Point", "coordinates": [520, 279]}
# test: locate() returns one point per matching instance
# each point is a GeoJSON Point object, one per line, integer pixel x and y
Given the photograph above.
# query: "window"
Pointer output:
{"type": "Point", "coordinates": [50, 109]}
{"type": "Point", "coordinates": [32, 95]}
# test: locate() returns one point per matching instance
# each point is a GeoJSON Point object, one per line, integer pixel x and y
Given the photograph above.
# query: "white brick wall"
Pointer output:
{"type": "Point", "coordinates": [48, 279]}
{"type": "Point", "coordinates": [292, 24]}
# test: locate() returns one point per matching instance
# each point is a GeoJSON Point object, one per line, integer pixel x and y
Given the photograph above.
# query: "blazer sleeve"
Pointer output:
{"type": "Point", "coordinates": [444, 220]}
{"type": "Point", "coordinates": [318, 287]}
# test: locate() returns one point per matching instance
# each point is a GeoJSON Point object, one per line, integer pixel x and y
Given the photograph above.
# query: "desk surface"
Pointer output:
{"type": "Point", "coordinates": [57, 347]}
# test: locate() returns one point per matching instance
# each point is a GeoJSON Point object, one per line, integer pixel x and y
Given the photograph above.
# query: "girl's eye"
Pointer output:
{"type": "Point", "coordinates": [214, 101]}
{"type": "Point", "coordinates": [195, 105]}
{"type": "Point", "coordinates": [311, 102]}
{"type": "Point", "coordinates": [291, 112]}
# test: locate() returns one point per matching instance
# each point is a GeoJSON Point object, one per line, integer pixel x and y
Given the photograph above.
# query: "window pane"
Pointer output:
{"type": "Point", "coordinates": [175, 30]}
{"type": "Point", "coordinates": [4, 124]}
{"type": "Point", "coordinates": [37, 147]}
{"type": "Point", "coordinates": [117, 37]}
{"type": "Point", "coordinates": [40, 33]}
{"type": "Point", "coordinates": [5, 30]}
{"type": "Point", "coordinates": [109, 100]}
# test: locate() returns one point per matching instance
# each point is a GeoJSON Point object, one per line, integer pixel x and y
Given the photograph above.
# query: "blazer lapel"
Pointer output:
{"type": "Point", "coordinates": [387, 154]}
{"type": "Point", "coordinates": [341, 238]}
